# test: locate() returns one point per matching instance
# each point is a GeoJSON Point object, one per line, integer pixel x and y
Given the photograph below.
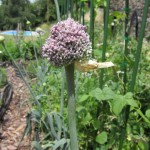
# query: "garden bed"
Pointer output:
{"type": "Point", "coordinates": [14, 122]}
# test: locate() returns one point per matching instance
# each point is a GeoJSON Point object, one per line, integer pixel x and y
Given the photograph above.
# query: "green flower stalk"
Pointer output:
{"type": "Point", "coordinates": [106, 20]}
{"type": "Point", "coordinates": [67, 44]}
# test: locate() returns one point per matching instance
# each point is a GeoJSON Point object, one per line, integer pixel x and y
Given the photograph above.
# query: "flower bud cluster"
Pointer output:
{"type": "Point", "coordinates": [68, 43]}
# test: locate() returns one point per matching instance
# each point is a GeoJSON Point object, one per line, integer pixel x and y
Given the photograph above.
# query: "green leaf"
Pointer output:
{"type": "Point", "coordinates": [87, 119]}
{"type": "Point", "coordinates": [143, 145]}
{"type": "Point", "coordinates": [142, 115]}
{"type": "Point", "coordinates": [107, 93]}
{"type": "Point", "coordinates": [97, 93]}
{"type": "Point", "coordinates": [129, 95]}
{"type": "Point", "coordinates": [147, 113]}
{"type": "Point", "coordinates": [118, 104]}
{"type": "Point", "coordinates": [101, 138]}
{"type": "Point", "coordinates": [83, 98]}
{"type": "Point", "coordinates": [96, 124]}
{"type": "Point", "coordinates": [80, 109]}
{"type": "Point", "coordinates": [132, 102]}
{"type": "Point", "coordinates": [129, 99]}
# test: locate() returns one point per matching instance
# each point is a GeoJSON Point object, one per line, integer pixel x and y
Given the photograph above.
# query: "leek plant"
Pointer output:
{"type": "Point", "coordinates": [63, 49]}
{"type": "Point", "coordinates": [92, 23]}
{"type": "Point", "coordinates": [136, 64]}
{"type": "Point", "coordinates": [104, 41]}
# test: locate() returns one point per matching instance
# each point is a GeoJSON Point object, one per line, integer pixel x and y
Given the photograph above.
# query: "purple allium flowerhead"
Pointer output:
{"type": "Point", "coordinates": [68, 43]}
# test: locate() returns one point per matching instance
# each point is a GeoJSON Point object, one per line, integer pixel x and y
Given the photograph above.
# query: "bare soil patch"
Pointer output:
{"type": "Point", "coordinates": [12, 127]}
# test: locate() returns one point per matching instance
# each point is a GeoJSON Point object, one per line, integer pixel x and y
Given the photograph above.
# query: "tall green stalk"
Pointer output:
{"type": "Point", "coordinates": [64, 5]}
{"type": "Point", "coordinates": [67, 8]}
{"type": "Point", "coordinates": [71, 106]}
{"type": "Point", "coordinates": [63, 76]}
{"type": "Point", "coordinates": [126, 44]}
{"type": "Point", "coordinates": [71, 8]}
{"type": "Point", "coordinates": [123, 131]}
{"type": "Point", "coordinates": [136, 64]}
{"type": "Point", "coordinates": [57, 10]}
{"type": "Point", "coordinates": [82, 13]}
{"type": "Point", "coordinates": [139, 46]}
{"type": "Point", "coordinates": [104, 41]}
{"type": "Point", "coordinates": [92, 22]}
{"type": "Point", "coordinates": [76, 9]}
{"type": "Point", "coordinates": [62, 99]}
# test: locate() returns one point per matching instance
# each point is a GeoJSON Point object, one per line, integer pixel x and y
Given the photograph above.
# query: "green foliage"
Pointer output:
{"type": "Point", "coordinates": [44, 11]}
{"type": "Point", "coordinates": [30, 50]}
{"type": "Point", "coordinates": [14, 12]}
{"type": "Point", "coordinates": [3, 77]}
{"type": "Point", "coordinates": [99, 111]}
{"type": "Point", "coordinates": [12, 47]}
{"type": "Point", "coordinates": [101, 138]}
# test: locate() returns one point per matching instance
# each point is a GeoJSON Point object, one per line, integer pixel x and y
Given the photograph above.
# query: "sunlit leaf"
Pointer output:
{"type": "Point", "coordinates": [118, 104]}
{"type": "Point", "coordinates": [147, 113]}
{"type": "Point", "coordinates": [108, 94]}
{"type": "Point", "coordinates": [97, 93]}
{"type": "Point", "coordinates": [132, 102]}
{"type": "Point", "coordinates": [101, 138]}
{"type": "Point", "coordinates": [83, 98]}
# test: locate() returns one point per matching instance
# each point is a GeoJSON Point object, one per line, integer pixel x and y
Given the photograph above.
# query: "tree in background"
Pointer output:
{"type": "Point", "coordinates": [44, 10]}
{"type": "Point", "coordinates": [13, 12]}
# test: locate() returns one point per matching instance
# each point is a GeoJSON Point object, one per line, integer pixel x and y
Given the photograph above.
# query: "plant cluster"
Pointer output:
{"type": "Point", "coordinates": [109, 113]}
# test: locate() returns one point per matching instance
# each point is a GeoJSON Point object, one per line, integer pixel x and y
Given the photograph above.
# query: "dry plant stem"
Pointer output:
{"type": "Point", "coordinates": [71, 106]}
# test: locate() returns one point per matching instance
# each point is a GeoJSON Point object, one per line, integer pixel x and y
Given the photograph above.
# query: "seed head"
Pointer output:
{"type": "Point", "coordinates": [68, 43]}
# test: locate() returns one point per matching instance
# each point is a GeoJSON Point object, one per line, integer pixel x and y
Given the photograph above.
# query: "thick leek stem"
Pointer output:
{"type": "Point", "coordinates": [71, 106]}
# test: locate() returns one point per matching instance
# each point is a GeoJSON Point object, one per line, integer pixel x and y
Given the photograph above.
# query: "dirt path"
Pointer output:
{"type": "Point", "coordinates": [15, 119]}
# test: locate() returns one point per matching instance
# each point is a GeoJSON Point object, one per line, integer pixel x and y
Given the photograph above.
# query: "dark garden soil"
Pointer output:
{"type": "Point", "coordinates": [12, 128]}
